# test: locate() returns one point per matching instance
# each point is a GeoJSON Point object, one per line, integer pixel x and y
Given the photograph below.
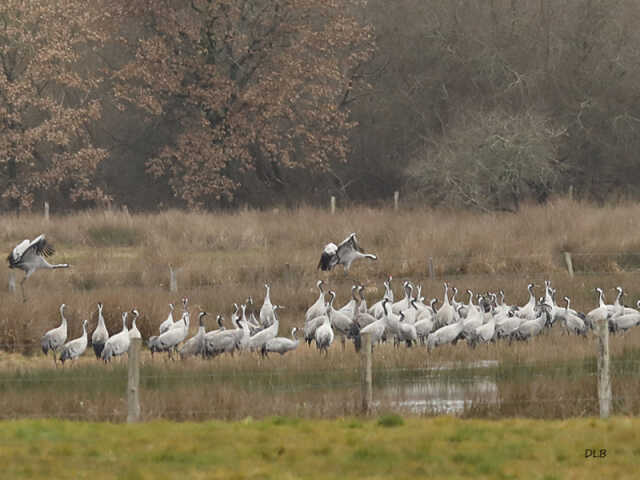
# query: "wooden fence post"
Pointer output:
{"type": "Point", "coordinates": [133, 381]}
{"type": "Point", "coordinates": [12, 281]}
{"type": "Point", "coordinates": [173, 279]}
{"type": "Point", "coordinates": [569, 262]}
{"type": "Point", "coordinates": [333, 204]}
{"type": "Point", "coordinates": [604, 381]}
{"type": "Point", "coordinates": [46, 211]}
{"type": "Point", "coordinates": [366, 378]}
{"type": "Point", "coordinates": [396, 199]}
{"type": "Point", "coordinates": [431, 274]}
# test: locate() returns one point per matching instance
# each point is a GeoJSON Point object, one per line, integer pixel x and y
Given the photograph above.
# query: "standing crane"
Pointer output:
{"type": "Point", "coordinates": [55, 338]}
{"type": "Point", "coordinates": [29, 256]}
{"type": "Point", "coordinates": [117, 344]}
{"type": "Point", "coordinates": [134, 332]}
{"type": "Point", "coordinates": [76, 347]}
{"type": "Point", "coordinates": [100, 334]}
{"type": "Point", "coordinates": [281, 345]}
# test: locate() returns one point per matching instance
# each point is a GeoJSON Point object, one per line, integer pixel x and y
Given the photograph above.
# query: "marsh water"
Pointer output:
{"type": "Point", "coordinates": [484, 388]}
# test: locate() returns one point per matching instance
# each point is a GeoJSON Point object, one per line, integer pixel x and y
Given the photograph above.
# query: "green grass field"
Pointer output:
{"type": "Point", "coordinates": [286, 448]}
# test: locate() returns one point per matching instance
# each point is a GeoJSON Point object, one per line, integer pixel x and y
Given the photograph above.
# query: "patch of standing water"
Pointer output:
{"type": "Point", "coordinates": [439, 394]}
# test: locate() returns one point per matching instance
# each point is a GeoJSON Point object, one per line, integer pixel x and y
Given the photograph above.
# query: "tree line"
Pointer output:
{"type": "Point", "coordinates": [216, 104]}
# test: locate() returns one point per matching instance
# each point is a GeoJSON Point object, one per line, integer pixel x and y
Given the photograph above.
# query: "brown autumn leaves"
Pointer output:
{"type": "Point", "coordinates": [244, 84]}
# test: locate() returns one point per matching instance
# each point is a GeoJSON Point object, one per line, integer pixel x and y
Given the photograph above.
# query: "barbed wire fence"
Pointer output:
{"type": "Point", "coordinates": [356, 384]}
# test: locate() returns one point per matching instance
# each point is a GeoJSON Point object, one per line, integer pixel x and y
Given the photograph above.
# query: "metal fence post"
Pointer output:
{"type": "Point", "coordinates": [133, 381]}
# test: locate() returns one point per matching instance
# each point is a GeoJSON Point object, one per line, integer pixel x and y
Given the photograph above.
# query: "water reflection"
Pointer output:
{"type": "Point", "coordinates": [437, 393]}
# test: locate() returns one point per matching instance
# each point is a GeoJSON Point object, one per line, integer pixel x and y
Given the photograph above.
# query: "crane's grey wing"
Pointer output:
{"type": "Point", "coordinates": [348, 246]}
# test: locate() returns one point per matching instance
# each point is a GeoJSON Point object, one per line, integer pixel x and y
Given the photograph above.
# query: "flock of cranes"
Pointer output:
{"type": "Point", "coordinates": [483, 318]}
{"type": "Point", "coordinates": [406, 321]}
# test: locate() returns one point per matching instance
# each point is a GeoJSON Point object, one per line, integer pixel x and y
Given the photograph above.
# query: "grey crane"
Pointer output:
{"type": "Point", "coordinates": [447, 334]}
{"type": "Point", "coordinates": [407, 331]}
{"type": "Point", "coordinates": [343, 254]}
{"type": "Point", "coordinates": [76, 347]}
{"type": "Point", "coordinates": [376, 309]}
{"type": "Point", "coordinates": [528, 312]}
{"type": "Point", "coordinates": [168, 323]}
{"type": "Point", "coordinates": [341, 322]}
{"type": "Point", "coordinates": [484, 333]}
{"type": "Point", "coordinates": [100, 334]}
{"type": "Point", "coordinates": [311, 326]}
{"type": "Point", "coordinates": [324, 333]}
{"type": "Point", "coordinates": [267, 316]}
{"type": "Point", "coordinates": [445, 315]}
{"type": "Point", "coordinates": [573, 323]}
{"type": "Point", "coordinates": [318, 307]}
{"type": "Point", "coordinates": [531, 328]}
{"type": "Point", "coordinates": [625, 321]}
{"type": "Point", "coordinates": [29, 256]}
{"type": "Point", "coordinates": [362, 306]}
{"type": "Point", "coordinates": [425, 323]}
{"type": "Point", "coordinates": [227, 341]}
{"type": "Point", "coordinates": [169, 340]}
{"type": "Point", "coordinates": [374, 329]}
{"type": "Point", "coordinates": [349, 309]}
{"type": "Point", "coordinates": [134, 332]}
{"type": "Point", "coordinates": [281, 345]}
{"type": "Point", "coordinates": [220, 328]}
{"type": "Point", "coordinates": [195, 345]}
{"type": "Point", "coordinates": [117, 344]}
{"type": "Point", "coordinates": [598, 314]}
{"type": "Point", "coordinates": [55, 338]}
{"type": "Point", "coordinates": [256, 341]}
{"type": "Point", "coordinates": [403, 304]}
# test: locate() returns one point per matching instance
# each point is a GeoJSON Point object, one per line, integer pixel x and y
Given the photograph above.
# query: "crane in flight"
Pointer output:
{"type": "Point", "coordinates": [343, 254]}
{"type": "Point", "coordinates": [29, 256]}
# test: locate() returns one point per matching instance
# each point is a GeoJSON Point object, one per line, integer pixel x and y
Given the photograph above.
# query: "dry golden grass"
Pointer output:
{"type": "Point", "coordinates": [123, 261]}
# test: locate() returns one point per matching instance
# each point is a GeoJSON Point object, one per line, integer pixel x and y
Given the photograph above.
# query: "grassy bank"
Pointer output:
{"type": "Point", "coordinates": [498, 381]}
{"type": "Point", "coordinates": [282, 448]}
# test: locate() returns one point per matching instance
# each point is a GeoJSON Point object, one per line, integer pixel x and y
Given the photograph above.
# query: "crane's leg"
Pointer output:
{"type": "Point", "coordinates": [24, 297]}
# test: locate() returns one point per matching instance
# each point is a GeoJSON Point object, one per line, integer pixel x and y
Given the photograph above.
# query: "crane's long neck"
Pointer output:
{"type": "Point", "coordinates": [244, 316]}
{"type": "Point", "coordinates": [446, 294]}
{"type": "Point", "coordinates": [618, 297]}
{"type": "Point", "coordinates": [267, 297]}
{"type": "Point", "coordinates": [601, 299]}
{"type": "Point", "coordinates": [64, 319]}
